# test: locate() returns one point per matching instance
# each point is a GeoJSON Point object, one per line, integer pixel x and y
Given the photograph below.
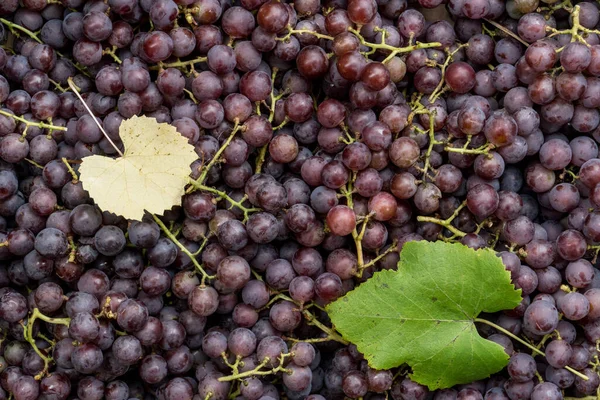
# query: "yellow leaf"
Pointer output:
{"type": "Point", "coordinates": [150, 176]}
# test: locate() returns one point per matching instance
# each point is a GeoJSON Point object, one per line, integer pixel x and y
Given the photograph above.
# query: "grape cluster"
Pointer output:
{"type": "Point", "coordinates": [328, 134]}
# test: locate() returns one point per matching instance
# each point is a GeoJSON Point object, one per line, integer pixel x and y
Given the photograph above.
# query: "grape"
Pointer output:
{"type": "Point", "coordinates": [327, 146]}
{"type": "Point", "coordinates": [540, 317]}
{"type": "Point", "coordinates": [558, 353]}
{"type": "Point", "coordinates": [84, 327]}
{"type": "Point", "coordinates": [153, 369]}
{"type": "Point", "coordinates": [86, 358]}
{"type": "Point", "coordinates": [574, 306]}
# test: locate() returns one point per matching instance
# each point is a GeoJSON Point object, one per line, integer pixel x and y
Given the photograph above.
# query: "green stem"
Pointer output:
{"type": "Point", "coordinates": [292, 31]}
{"type": "Point", "coordinates": [70, 169]}
{"type": "Point", "coordinates": [575, 28]}
{"type": "Point", "coordinates": [524, 343]}
{"type": "Point", "coordinates": [446, 223]}
{"type": "Point", "coordinates": [41, 125]}
{"type": "Point", "coordinates": [392, 248]}
{"type": "Point", "coordinates": [12, 27]}
{"type": "Point", "coordinates": [183, 249]}
{"type": "Point", "coordinates": [260, 159]}
{"type": "Point", "coordinates": [178, 64]}
{"type": "Point", "coordinates": [331, 334]}
{"type": "Point", "coordinates": [235, 203]}
{"type": "Point", "coordinates": [480, 150]}
{"type": "Point", "coordinates": [217, 155]}
{"type": "Point", "coordinates": [111, 52]}
{"type": "Point", "coordinates": [192, 97]}
{"type": "Point", "coordinates": [282, 124]}
{"type": "Point", "coordinates": [257, 370]}
{"type": "Point", "coordinates": [393, 50]}
{"type": "Point", "coordinates": [439, 89]}
{"type": "Point", "coordinates": [28, 335]}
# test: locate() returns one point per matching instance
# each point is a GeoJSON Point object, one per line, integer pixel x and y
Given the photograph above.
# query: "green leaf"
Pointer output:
{"type": "Point", "coordinates": [424, 313]}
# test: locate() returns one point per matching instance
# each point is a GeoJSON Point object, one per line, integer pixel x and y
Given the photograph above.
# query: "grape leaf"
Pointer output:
{"type": "Point", "coordinates": [150, 176]}
{"type": "Point", "coordinates": [423, 314]}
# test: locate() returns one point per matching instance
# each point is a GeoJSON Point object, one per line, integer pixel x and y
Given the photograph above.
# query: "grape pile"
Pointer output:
{"type": "Point", "coordinates": [328, 134]}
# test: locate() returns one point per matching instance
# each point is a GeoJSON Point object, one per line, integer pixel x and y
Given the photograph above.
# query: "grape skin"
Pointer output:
{"type": "Point", "coordinates": [328, 171]}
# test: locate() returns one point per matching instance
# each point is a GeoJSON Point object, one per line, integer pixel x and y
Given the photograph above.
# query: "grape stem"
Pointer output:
{"type": "Point", "coordinates": [282, 124]}
{"type": "Point", "coordinates": [217, 155]}
{"type": "Point", "coordinates": [192, 97]}
{"type": "Point", "coordinates": [439, 90]}
{"type": "Point", "coordinates": [581, 398]}
{"type": "Point", "coordinates": [57, 86]}
{"type": "Point", "coordinates": [70, 169]}
{"type": "Point", "coordinates": [260, 159]}
{"type": "Point", "coordinates": [595, 249]}
{"type": "Point", "coordinates": [73, 252]}
{"type": "Point", "coordinates": [76, 91]}
{"type": "Point", "coordinates": [446, 223]}
{"type": "Point", "coordinates": [393, 50]}
{"type": "Point", "coordinates": [358, 237]}
{"type": "Point", "coordinates": [41, 125]}
{"type": "Point", "coordinates": [292, 31]}
{"type": "Point", "coordinates": [225, 196]}
{"type": "Point", "coordinates": [28, 335]}
{"type": "Point", "coordinates": [331, 334]}
{"type": "Point", "coordinates": [347, 192]}
{"type": "Point", "coordinates": [480, 150]}
{"type": "Point", "coordinates": [258, 370]}
{"type": "Point", "coordinates": [575, 28]}
{"type": "Point", "coordinates": [272, 95]}
{"type": "Point", "coordinates": [14, 28]}
{"type": "Point", "coordinates": [392, 248]}
{"type": "Point", "coordinates": [111, 52]}
{"type": "Point", "coordinates": [528, 345]}
{"type": "Point", "coordinates": [310, 317]}
{"type": "Point", "coordinates": [178, 64]}
{"type": "Point", "coordinates": [432, 141]}
{"type": "Point", "coordinates": [183, 249]}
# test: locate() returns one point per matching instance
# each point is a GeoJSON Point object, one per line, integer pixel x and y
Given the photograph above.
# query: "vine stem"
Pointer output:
{"type": "Point", "coordinates": [528, 345]}
{"type": "Point", "coordinates": [28, 335]}
{"type": "Point", "coordinates": [76, 91]}
{"type": "Point", "coordinates": [437, 92]}
{"type": "Point", "coordinates": [178, 64]}
{"type": "Point", "coordinates": [432, 141]}
{"type": "Point", "coordinates": [446, 223]}
{"type": "Point", "coordinates": [310, 317]}
{"type": "Point", "coordinates": [393, 50]}
{"type": "Point", "coordinates": [480, 150]}
{"type": "Point", "coordinates": [225, 196]}
{"type": "Point", "coordinates": [257, 370]}
{"type": "Point", "coordinates": [70, 169]}
{"type": "Point", "coordinates": [393, 247]}
{"type": "Point", "coordinates": [581, 398]}
{"type": "Point", "coordinates": [13, 27]}
{"type": "Point", "coordinates": [111, 52]}
{"type": "Point", "coordinates": [215, 158]}
{"type": "Point", "coordinates": [575, 29]}
{"type": "Point", "coordinates": [41, 125]}
{"type": "Point", "coordinates": [260, 159]}
{"type": "Point", "coordinates": [183, 249]}
{"type": "Point", "coordinates": [331, 334]}
{"type": "Point", "coordinates": [292, 31]}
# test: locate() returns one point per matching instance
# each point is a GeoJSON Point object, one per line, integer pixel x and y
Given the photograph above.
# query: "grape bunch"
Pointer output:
{"type": "Point", "coordinates": [329, 134]}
